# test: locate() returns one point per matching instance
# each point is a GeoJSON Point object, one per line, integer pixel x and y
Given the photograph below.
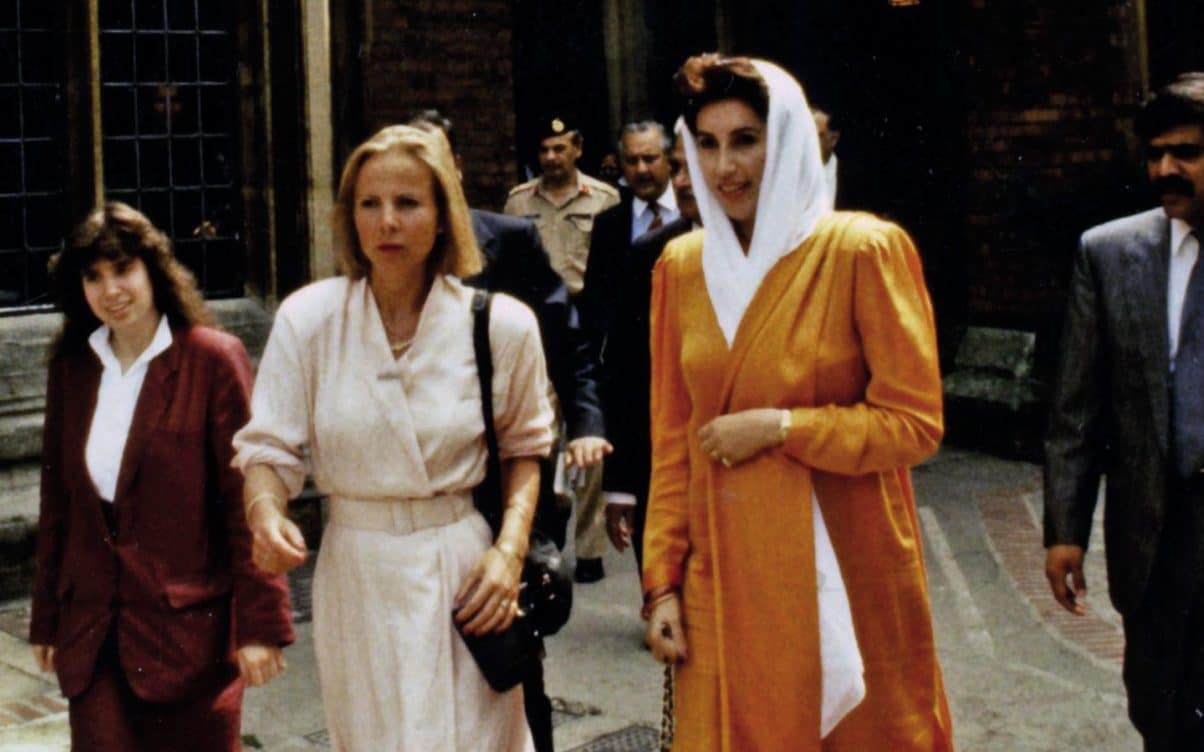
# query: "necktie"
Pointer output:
{"type": "Point", "coordinates": [656, 222]}
{"type": "Point", "coordinates": [1187, 384]}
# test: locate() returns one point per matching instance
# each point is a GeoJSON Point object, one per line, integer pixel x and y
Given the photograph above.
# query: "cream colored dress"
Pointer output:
{"type": "Point", "coordinates": [402, 433]}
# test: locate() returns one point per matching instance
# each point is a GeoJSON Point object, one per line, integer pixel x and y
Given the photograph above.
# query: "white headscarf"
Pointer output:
{"type": "Point", "coordinates": [792, 200]}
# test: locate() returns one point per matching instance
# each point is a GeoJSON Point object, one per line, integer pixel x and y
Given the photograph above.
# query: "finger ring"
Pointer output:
{"type": "Point", "coordinates": [504, 604]}
{"type": "Point", "coordinates": [726, 462]}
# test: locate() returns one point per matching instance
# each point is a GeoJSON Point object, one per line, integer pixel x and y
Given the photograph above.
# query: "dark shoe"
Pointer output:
{"type": "Point", "coordinates": [588, 570]}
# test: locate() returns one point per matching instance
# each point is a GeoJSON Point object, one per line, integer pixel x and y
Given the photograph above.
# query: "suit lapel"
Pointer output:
{"type": "Point", "coordinates": [1145, 283]}
{"type": "Point", "coordinates": [486, 238]}
{"type": "Point", "coordinates": [153, 401]}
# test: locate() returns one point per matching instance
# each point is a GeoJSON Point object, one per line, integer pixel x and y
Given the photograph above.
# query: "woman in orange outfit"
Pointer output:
{"type": "Point", "coordinates": [794, 372]}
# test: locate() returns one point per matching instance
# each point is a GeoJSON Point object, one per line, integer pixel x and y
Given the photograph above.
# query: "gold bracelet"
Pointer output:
{"type": "Point", "coordinates": [657, 597]}
{"type": "Point", "coordinates": [784, 424]}
{"type": "Point", "coordinates": [525, 509]}
{"type": "Point", "coordinates": [266, 495]}
{"type": "Point", "coordinates": [509, 549]}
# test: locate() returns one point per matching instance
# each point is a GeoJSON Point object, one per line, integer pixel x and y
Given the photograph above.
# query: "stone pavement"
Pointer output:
{"type": "Point", "coordinates": [1021, 675]}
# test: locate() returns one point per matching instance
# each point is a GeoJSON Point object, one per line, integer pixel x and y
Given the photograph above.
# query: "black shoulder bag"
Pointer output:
{"type": "Point", "coordinates": [546, 591]}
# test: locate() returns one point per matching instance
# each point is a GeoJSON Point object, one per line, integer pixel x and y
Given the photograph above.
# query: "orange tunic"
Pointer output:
{"type": "Point", "coordinates": [840, 331]}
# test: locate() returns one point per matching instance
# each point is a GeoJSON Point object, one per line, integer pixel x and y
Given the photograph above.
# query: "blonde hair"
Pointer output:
{"type": "Point", "coordinates": [456, 251]}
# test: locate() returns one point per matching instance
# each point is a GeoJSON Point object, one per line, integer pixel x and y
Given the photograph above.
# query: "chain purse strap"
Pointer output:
{"type": "Point", "coordinates": [666, 740]}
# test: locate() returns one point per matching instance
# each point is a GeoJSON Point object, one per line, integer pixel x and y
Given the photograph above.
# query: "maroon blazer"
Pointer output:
{"type": "Point", "coordinates": [175, 584]}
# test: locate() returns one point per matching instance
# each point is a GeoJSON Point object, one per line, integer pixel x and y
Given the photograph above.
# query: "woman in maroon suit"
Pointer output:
{"type": "Point", "coordinates": [146, 602]}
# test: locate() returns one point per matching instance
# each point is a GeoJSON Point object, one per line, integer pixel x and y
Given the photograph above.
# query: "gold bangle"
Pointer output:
{"type": "Point", "coordinates": [784, 424]}
{"type": "Point", "coordinates": [509, 549]}
{"type": "Point", "coordinates": [659, 592]}
{"type": "Point", "coordinates": [266, 495]}
{"type": "Point", "coordinates": [524, 509]}
{"type": "Point", "coordinates": [651, 603]}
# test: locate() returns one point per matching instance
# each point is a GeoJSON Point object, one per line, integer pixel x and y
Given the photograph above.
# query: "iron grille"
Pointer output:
{"type": "Point", "coordinates": [32, 119]}
{"type": "Point", "coordinates": [168, 109]}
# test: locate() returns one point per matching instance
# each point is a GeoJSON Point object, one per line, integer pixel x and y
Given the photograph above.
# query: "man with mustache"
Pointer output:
{"type": "Point", "coordinates": [1129, 404]}
{"type": "Point", "coordinates": [648, 204]}
{"type": "Point", "coordinates": [626, 370]}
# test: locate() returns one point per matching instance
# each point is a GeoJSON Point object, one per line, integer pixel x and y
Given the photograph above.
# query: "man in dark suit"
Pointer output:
{"type": "Point", "coordinates": [647, 204]}
{"type": "Point", "coordinates": [517, 264]}
{"type": "Point", "coordinates": [627, 368]}
{"type": "Point", "coordinates": [1129, 404]}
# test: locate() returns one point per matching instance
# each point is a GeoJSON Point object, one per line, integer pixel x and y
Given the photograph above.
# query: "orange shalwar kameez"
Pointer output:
{"type": "Point", "coordinates": [840, 332]}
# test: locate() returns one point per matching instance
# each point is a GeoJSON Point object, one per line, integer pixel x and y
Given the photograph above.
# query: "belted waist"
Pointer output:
{"type": "Point", "coordinates": [401, 516]}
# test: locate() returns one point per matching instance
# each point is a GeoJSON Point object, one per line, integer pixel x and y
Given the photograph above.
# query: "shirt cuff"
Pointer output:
{"type": "Point", "coordinates": [621, 499]}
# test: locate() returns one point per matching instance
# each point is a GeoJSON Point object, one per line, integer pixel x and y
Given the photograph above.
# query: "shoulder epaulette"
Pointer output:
{"type": "Point", "coordinates": [601, 186]}
{"type": "Point", "coordinates": [523, 186]}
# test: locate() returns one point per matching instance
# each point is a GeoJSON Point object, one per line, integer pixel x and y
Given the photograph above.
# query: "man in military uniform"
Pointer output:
{"type": "Point", "coordinates": [562, 202]}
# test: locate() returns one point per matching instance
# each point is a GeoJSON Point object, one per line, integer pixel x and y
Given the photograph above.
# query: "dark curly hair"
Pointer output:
{"type": "Point", "coordinates": [711, 77]}
{"type": "Point", "coordinates": [112, 232]}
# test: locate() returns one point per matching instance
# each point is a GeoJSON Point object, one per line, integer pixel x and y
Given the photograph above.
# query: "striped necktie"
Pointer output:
{"type": "Point", "coordinates": [656, 222]}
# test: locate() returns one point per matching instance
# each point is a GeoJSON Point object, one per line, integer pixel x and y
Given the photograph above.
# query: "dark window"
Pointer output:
{"type": "Point", "coordinates": [169, 146]}
{"type": "Point", "coordinates": [32, 117]}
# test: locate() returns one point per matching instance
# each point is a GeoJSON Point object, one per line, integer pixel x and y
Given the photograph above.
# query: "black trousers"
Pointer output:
{"type": "Point", "coordinates": [552, 521]}
{"type": "Point", "coordinates": [1164, 639]}
{"type": "Point", "coordinates": [538, 708]}
{"type": "Point", "coordinates": [639, 515]}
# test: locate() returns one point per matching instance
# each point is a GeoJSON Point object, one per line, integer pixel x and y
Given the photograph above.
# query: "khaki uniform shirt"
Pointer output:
{"type": "Point", "coordinates": [564, 229]}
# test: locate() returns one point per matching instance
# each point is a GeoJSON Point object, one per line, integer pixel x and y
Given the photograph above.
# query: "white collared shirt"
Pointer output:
{"type": "Point", "coordinates": [115, 402]}
{"type": "Point", "coordinates": [642, 214]}
{"type": "Point", "coordinates": [1185, 249]}
{"type": "Point", "coordinates": [830, 179]}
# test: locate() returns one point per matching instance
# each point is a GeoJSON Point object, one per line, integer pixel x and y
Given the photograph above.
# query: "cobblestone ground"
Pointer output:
{"type": "Point", "coordinates": [1022, 676]}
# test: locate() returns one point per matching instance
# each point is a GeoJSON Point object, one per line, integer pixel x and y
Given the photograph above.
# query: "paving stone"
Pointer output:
{"type": "Point", "coordinates": [1050, 681]}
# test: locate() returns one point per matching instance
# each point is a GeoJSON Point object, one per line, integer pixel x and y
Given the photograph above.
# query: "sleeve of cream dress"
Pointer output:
{"type": "Point", "coordinates": [280, 409]}
{"type": "Point", "coordinates": [522, 413]}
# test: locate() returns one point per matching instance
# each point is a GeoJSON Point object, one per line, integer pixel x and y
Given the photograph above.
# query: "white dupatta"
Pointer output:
{"type": "Point", "coordinates": [793, 198]}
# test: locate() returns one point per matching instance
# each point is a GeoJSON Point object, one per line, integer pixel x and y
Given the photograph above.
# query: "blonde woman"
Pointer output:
{"type": "Point", "coordinates": [374, 373]}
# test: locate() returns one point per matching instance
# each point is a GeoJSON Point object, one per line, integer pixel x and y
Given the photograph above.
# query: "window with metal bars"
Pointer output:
{"type": "Point", "coordinates": [169, 127]}
{"type": "Point", "coordinates": [168, 109]}
{"type": "Point", "coordinates": [32, 123]}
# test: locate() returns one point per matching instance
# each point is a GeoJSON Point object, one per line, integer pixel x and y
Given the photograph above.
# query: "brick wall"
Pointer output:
{"type": "Point", "coordinates": [456, 56]}
{"type": "Point", "coordinates": [1050, 91]}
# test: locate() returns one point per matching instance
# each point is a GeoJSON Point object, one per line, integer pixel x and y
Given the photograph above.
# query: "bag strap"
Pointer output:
{"type": "Point", "coordinates": [489, 501]}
